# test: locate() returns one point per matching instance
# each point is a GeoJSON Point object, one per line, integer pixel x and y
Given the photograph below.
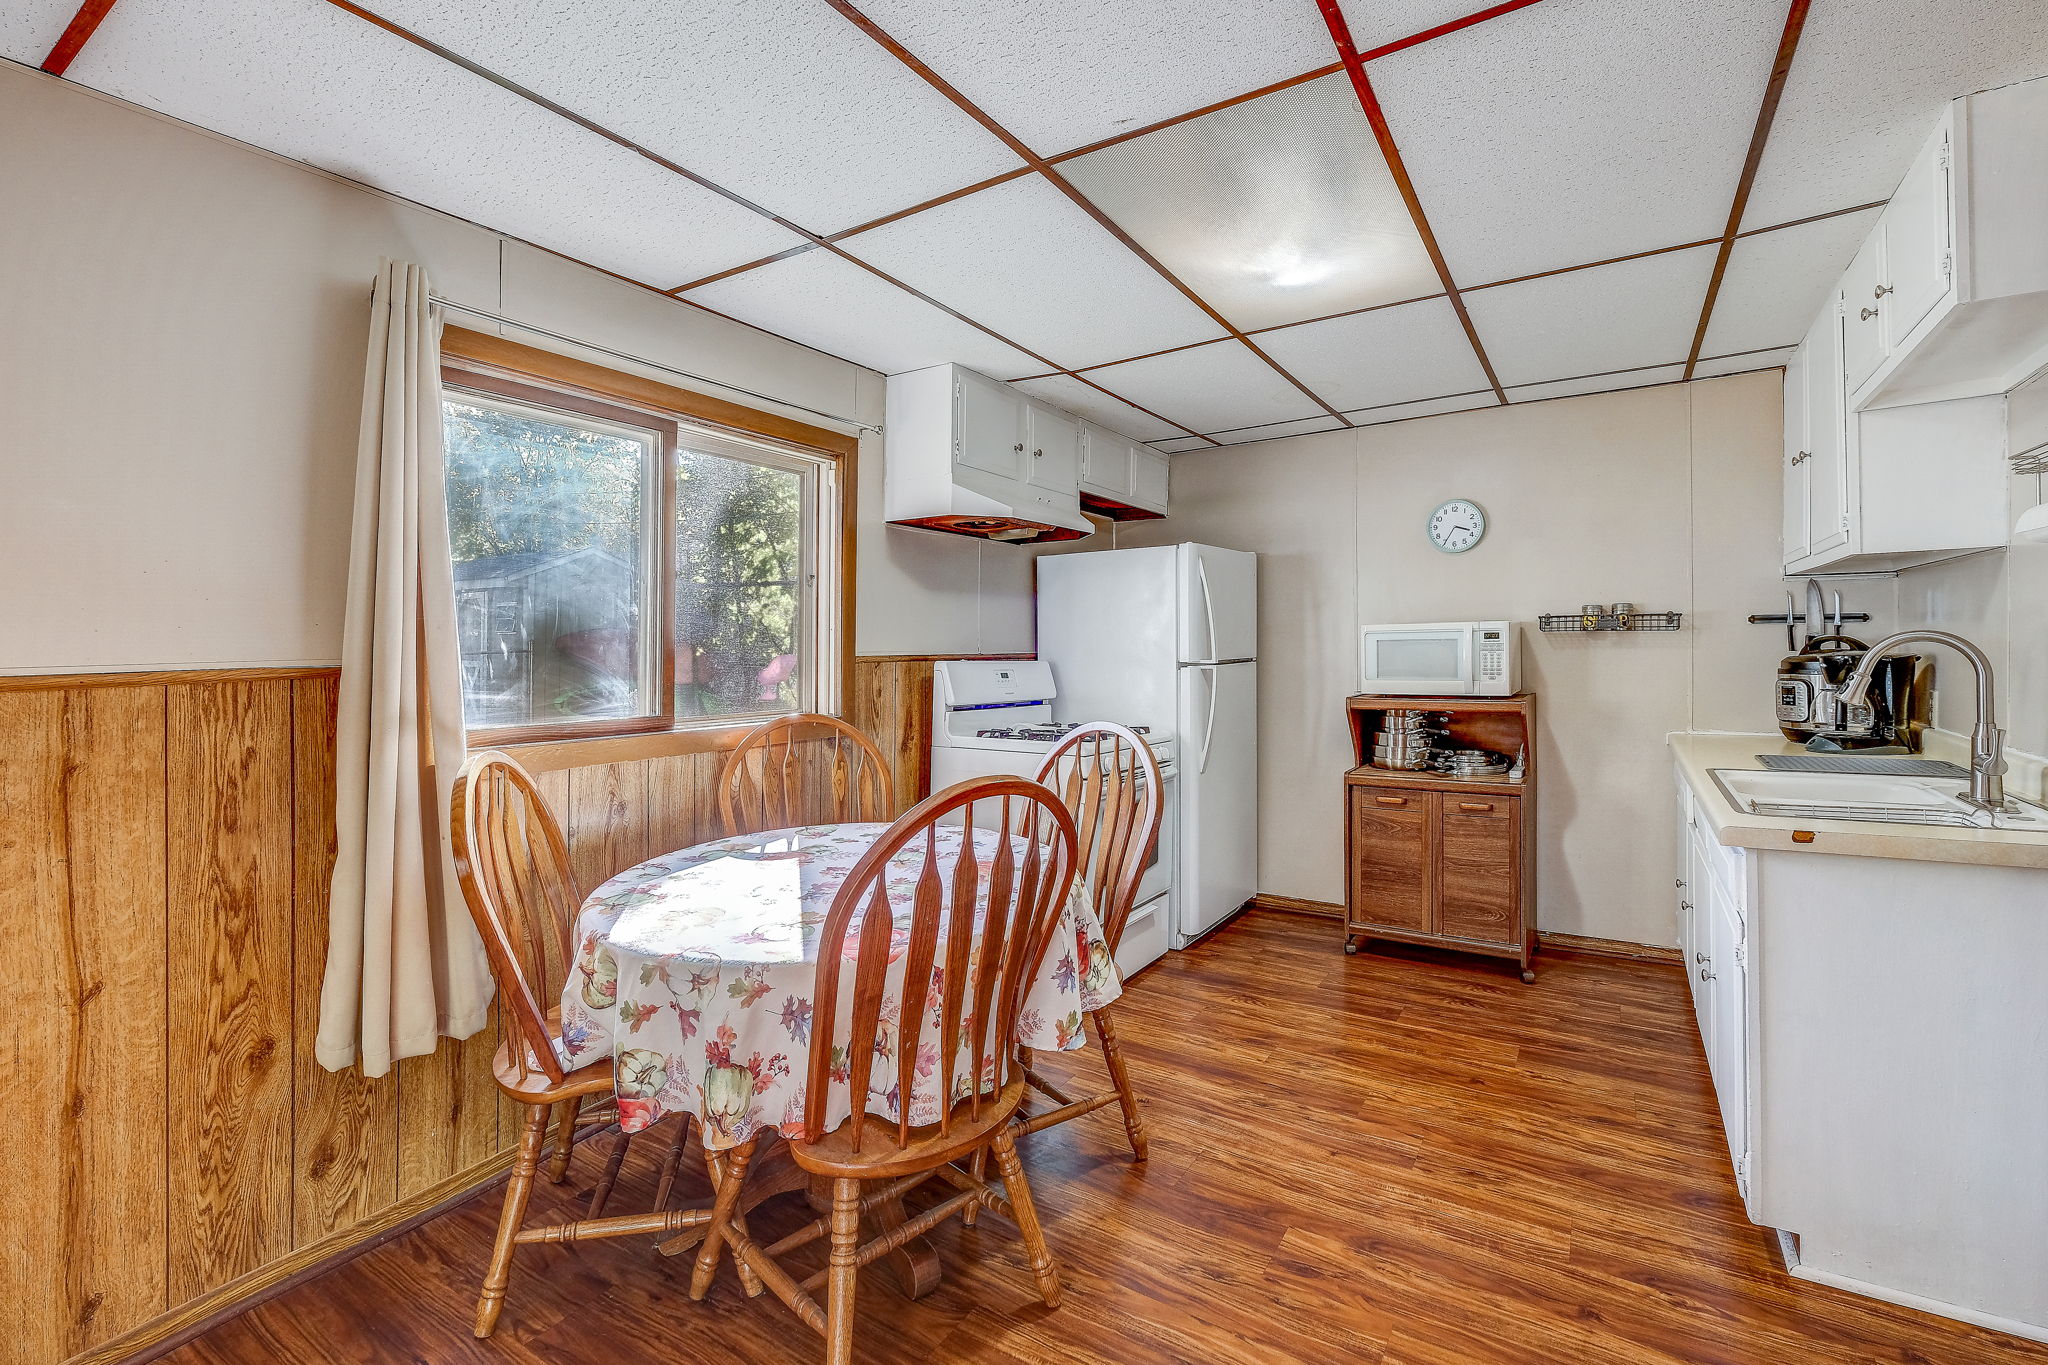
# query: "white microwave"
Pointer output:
{"type": "Point", "coordinates": [1438, 659]}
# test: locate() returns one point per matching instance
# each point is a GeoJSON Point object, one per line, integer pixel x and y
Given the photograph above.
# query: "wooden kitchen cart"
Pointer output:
{"type": "Point", "coordinates": [1441, 860]}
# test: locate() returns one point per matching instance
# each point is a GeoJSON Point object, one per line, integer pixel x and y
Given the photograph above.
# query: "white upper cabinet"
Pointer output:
{"type": "Point", "coordinates": [969, 455]}
{"type": "Point", "coordinates": [1121, 479]}
{"type": "Point", "coordinates": [1949, 296]}
{"type": "Point", "coordinates": [1816, 448]}
{"type": "Point", "coordinates": [1054, 446]}
{"type": "Point", "coordinates": [993, 425]}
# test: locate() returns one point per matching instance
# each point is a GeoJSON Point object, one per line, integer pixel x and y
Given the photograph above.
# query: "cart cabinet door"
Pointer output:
{"type": "Point", "coordinates": [1480, 867]}
{"type": "Point", "coordinates": [1390, 857]}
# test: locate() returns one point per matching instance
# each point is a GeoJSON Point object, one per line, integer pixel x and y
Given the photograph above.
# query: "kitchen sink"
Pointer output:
{"type": "Point", "coordinates": [1883, 798]}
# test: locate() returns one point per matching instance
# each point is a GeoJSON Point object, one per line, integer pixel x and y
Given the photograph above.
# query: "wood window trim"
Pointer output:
{"type": "Point", "coordinates": [481, 356]}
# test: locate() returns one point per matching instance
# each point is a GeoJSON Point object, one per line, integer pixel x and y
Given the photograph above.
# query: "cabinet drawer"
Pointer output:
{"type": "Point", "coordinates": [1389, 836]}
{"type": "Point", "coordinates": [1480, 868]}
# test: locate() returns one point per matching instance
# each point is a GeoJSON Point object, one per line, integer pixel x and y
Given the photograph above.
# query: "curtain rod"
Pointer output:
{"type": "Point", "coordinates": [455, 307]}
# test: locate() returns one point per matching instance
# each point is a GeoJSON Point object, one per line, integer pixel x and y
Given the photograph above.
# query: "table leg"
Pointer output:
{"type": "Point", "coordinates": [916, 1263]}
{"type": "Point", "coordinates": [771, 1174]}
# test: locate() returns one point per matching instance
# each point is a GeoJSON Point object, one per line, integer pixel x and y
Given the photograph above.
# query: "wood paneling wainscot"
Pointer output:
{"type": "Point", "coordinates": [165, 846]}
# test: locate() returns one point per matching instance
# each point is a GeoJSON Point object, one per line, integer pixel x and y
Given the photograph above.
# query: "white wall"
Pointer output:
{"type": "Point", "coordinates": [181, 364]}
{"type": "Point", "coordinates": [1667, 497]}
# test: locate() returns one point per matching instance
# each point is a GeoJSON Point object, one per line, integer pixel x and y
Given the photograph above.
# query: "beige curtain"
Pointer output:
{"type": "Point", "coordinates": [404, 964]}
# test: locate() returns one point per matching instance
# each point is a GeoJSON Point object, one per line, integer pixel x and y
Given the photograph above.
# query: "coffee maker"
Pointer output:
{"type": "Point", "coordinates": [1809, 701]}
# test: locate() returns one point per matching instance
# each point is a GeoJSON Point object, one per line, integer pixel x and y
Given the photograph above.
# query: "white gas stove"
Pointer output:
{"type": "Point", "coordinates": [994, 718]}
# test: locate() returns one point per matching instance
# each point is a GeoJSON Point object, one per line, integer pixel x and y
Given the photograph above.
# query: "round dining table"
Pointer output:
{"type": "Point", "coordinates": [695, 972]}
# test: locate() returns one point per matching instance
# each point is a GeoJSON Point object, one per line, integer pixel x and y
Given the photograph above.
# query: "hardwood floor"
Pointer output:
{"type": "Point", "coordinates": [1411, 1159]}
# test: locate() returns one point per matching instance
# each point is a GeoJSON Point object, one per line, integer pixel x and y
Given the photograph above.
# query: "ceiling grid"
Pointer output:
{"type": "Point", "coordinates": [1233, 364]}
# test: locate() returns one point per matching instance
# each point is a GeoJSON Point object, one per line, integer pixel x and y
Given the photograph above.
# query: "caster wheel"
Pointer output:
{"type": "Point", "coordinates": [1528, 977]}
{"type": "Point", "coordinates": [1350, 947]}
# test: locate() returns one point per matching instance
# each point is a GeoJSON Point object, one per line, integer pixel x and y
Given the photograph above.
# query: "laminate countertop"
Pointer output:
{"type": "Point", "coordinates": [1695, 754]}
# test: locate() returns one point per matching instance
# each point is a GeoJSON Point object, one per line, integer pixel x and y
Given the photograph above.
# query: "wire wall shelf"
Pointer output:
{"type": "Point", "coordinates": [1592, 621]}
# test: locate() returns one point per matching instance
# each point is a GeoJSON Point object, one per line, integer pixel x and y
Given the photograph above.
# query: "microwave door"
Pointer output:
{"type": "Point", "coordinates": [1434, 661]}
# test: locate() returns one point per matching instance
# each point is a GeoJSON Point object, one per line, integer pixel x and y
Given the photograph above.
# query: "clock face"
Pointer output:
{"type": "Point", "coordinates": [1456, 526]}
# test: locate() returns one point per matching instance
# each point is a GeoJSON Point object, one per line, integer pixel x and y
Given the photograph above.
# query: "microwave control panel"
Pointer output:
{"type": "Point", "coordinates": [1493, 656]}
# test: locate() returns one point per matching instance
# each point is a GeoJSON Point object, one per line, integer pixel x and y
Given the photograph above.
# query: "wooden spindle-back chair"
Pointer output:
{"type": "Point", "coordinates": [513, 866]}
{"type": "Point", "coordinates": [1109, 779]}
{"type": "Point", "coordinates": [979, 977]}
{"type": "Point", "coordinates": [803, 770]}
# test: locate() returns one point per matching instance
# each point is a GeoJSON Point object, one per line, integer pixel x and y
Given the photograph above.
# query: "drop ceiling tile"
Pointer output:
{"type": "Point", "coordinates": [1092, 403]}
{"type": "Point", "coordinates": [1776, 280]}
{"type": "Point", "coordinates": [786, 104]}
{"type": "Point", "coordinates": [1571, 131]}
{"type": "Point", "coordinates": [834, 305]}
{"type": "Point", "coordinates": [312, 82]}
{"type": "Point", "coordinates": [1274, 210]}
{"type": "Point", "coordinates": [1597, 383]}
{"type": "Point", "coordinates": [1182, 444]}
{"type": "Point", "coordinates": [1390, 355]}
{"type": "Point", "coordinates": [30, 28]}
{"type": "Point", "coordinates": [1374, 23]}
{"type": "Point", "coordinates": [1428, 407]}
{"type": "Point", "coordinates": [1612, 317]}
{"type": "Point", "coordinates": [1060, 74]}
{"type": "Point", "coordinates": [1773, 359]}
{"type": "Point", "coordinates": [1209, 388]}
{"type": "Point", "coordinates": [1866, 86]}
{"type": "Point", "coordinates": [1274, 431]}
{"type": "Point", "coordinates": [1023, 259]}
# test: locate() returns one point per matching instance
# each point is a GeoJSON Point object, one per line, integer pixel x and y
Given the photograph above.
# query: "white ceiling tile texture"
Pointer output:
{"type": "Point", "coordinates": [315, 83]}
{"type": "Point", "coordinates": [1743, 364]}
{"type": "Point", "coordinates": [786, 104]}
{"type": "Point", "coordinates": [1776, 280]}
{"type": "Point", "coordinates": [1061, 74]}
{"type": "Point", "coordinates": [1574, 131]}
{"type": "Point", "coordinates": [1611, 317]}
{"type": "Point", "coordinates": [1428, 407]}
{"type": "Point", "coordinates": [834, 305]}
{"type": "Point", "coordinates": [1084, 400]}
{"type": "Point", "coordinates": [1273, 431]}
{"type": "Point", "coordinates": [1210, 388]}
{"type": "Point", "coordinates": [1867, 84]}
{"type": "Point", "coordinates": [1597, 383]}
{"type": "Point", "coordinates": [1375, 23]}
{"type": "Point", "coordinates": [30, 28]}
{"type": "Point", "coordinates": [1274, 211]}
{"type": "Point", "coordinates": [1024, 259]}
{"type": "Point", "coordinates": [1389, 355]}
{"type": "Point", "coordinates": [1183, 443]}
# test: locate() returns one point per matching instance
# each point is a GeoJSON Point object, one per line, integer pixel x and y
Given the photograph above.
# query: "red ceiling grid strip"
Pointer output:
{"type": "Point", "coordinates": [1774, 89]}
{"type": "Point", "coordinates": [1066, 187]}
{"type": "Point", "coordinates": [76, 35]}
{"type": "Point", "coordinates": [1340, 34]}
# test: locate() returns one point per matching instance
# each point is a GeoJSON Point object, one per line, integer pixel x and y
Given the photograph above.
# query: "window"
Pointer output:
{"type": "Point", "coordinates": [622, 569]}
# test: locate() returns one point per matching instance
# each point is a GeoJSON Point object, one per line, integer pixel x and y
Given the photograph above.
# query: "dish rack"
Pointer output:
{"type": "Point", "coordinates": [1635, 620]}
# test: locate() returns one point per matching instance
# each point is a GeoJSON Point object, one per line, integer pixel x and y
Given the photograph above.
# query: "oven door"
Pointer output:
{"type": "Point", "coordinates": [1430, 660]}
{"type": "Point", "coordinates": [1157, 877]}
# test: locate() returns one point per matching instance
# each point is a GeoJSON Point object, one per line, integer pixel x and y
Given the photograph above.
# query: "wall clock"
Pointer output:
{"type": "Point", "coordinates": [1457, 526]}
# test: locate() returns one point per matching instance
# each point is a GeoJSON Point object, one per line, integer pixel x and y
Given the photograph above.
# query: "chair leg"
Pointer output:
{"type": "Point", "coordinates": [1120, 1076]}
{"type": "Point", "coordinates": [565, 1139]}
{"type": "Point", "coordinates": [603, 1192]}
{"type": "Point", "coordinates": [671, 1162]}
{"type": "Point", "coordinates": [1019, 1191]}
{"type": "Point", "coordinates": [517, 1189]}
{"type": "Point", "coordinates": [843, 1274]}
{"type": "Point", "coordinates": [977, 1166]}
{"type": "Point", "coordinates": [724, 1207]}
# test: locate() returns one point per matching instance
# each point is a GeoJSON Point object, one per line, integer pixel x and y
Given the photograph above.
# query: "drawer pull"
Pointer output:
{"type": "Point", "coordinates": [1391, 800]}
{"type": "Point", "coordinates": [1475, 805]}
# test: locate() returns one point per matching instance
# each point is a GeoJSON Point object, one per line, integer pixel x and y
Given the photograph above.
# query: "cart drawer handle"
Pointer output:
{"type": "Point", "coordinates": [1391, 800]}
{"type": "Point", "coordinates": [1475, 805]}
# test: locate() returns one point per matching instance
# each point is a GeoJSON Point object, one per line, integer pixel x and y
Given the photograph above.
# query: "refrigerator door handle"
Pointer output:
{"type": "Point", "coordinates": [1209, 727]}
{"type": "Point", "coordinates": [1208, 605]}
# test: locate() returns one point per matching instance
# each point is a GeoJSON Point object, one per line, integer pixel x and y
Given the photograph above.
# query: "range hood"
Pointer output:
{"type": "Point", "coordinates": [968, 455]}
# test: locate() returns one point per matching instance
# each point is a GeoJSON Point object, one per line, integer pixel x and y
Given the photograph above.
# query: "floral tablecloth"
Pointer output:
{"type": "Point", "coordinates": [695, 970]}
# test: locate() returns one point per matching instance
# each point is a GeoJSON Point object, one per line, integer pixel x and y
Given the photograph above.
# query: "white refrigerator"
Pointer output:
{"type": "Point", "coordinates": [1168, 637]}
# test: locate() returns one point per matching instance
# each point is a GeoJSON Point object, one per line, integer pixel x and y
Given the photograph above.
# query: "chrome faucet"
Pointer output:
{"type": "Point", "coordinates": [1987, 741]}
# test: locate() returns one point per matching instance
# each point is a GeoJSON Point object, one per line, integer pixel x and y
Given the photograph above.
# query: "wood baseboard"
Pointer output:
{"type": "Point", "coordinates": [167, 1332]}
{"type": "Point", "coordinates": [1573, 943]}
{"type": "Point", "coordinates": [1609, 947]}
{"type": "Point", "coordinates": [1295, 905]}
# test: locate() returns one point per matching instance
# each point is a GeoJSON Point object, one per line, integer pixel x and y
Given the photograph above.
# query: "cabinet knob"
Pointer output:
{"type": "Point", "coordinates": [1019, 447]}
{"type": "Point", "coordinates": [1706, 975]}
{"type": "Point", "coordinates": [1802, 457]}
{"type": "Point", "coordinates": [1685, 905]}
{"type": "Point", "coordinates": [1037, 454]}
{"type": "Point", "coordinates": [1701, 957]}
{"type": "Point", "coordinates": [1868, 313]}
{"type": "Point", "coordinates": [1679, 883]}
{"type": "Point", "coordinates": [1881, 291]}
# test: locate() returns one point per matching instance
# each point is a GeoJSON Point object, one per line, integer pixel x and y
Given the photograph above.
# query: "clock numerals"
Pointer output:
{"type": "Point", "coordinates": [1457, 526]}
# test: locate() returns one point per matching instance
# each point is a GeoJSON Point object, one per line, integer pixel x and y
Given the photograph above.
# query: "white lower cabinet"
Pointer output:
{"type": "Point", "coordinates": [1715, 886]}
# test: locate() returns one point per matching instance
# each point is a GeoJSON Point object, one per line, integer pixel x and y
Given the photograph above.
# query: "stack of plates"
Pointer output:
{"type": "Point", "coordinates": [1471, 762]}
